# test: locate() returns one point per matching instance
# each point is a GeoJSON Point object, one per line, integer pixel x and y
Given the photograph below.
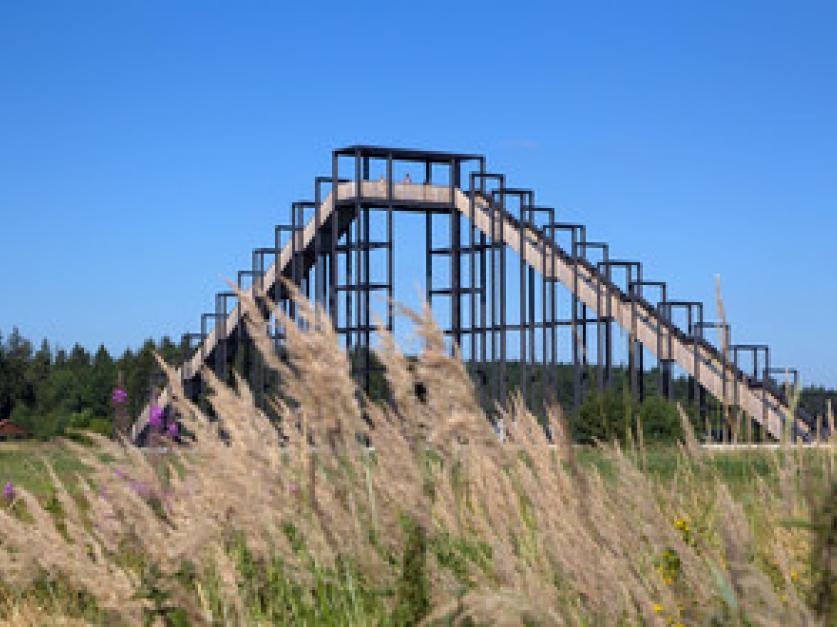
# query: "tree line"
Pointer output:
{"type": "Point", "coordinates": [50, 390]}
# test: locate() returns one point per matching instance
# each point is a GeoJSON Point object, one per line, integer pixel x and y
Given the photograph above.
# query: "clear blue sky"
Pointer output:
{"type": "Point", "coordinates": [700, 137]}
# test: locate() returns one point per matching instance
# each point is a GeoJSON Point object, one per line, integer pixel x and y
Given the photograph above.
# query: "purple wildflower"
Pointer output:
{"type": "Point", "coordinates": [172, 429]}
{"type": "Point", "coordinates": [119, 473]}
{"type": "Point", "coordinates": [9, 491]}
{"type": "Point", "coordinates": [155, 417]}
{"type": "Point", "coordinates": [140, 488]}
{"type": "Point", "coordinates": [119, 396]}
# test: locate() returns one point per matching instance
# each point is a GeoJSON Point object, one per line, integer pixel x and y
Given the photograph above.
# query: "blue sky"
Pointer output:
{"type": "Point", "coordinates": [700, 138]}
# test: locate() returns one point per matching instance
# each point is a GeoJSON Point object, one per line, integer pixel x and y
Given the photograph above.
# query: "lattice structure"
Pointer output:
{"type": "Point", "coordinates": [500, 312]}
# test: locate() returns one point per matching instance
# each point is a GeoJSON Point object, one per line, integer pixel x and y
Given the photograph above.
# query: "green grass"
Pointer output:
{"type": "Point", "coordinates": [738, 469]}
{"type": "Point", "coordinates": [22, 463]}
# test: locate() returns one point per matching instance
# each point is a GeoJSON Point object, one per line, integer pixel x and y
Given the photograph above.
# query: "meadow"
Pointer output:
{"type": "Point", "coordinates": [417, 510]}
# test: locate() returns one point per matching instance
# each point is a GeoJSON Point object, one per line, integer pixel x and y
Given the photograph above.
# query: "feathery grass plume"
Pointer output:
{"type": "Point", "coordinates": [438, 520]}
{"type": "Point", "coordinates": [505, 606]}
{"type": "Point", "coordinates": [326, 378]}
{"type": "Point", "coordinates": [29, 614]}
{"type": "Point", "coordinates": [47, 548]}
{"type": "Point", "coordinates": [395, 365]}
{"type": "Point", "coordinates": [692, 446]}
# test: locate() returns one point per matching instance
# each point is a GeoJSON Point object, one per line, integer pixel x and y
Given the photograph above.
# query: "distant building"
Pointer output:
{"type": "Point", "coordinates": [11, 431]}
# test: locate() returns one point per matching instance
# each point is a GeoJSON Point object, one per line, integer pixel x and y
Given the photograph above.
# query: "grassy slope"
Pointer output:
{"type": "Point", "coordinates": [22, 463]}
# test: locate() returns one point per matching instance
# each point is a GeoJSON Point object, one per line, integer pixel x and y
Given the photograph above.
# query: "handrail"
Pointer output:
{"type": "Point", "coordinates": [538, 236]}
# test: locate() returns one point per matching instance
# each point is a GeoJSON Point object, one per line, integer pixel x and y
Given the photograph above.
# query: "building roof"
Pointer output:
{"type": "Point", "coordinates": [10, 429]}
{"type": "Point", "coordinates": [407, 154]}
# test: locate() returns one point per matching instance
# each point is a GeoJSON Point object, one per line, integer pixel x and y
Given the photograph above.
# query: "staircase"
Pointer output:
{"type": "Point", "coordinates": [648, 323]}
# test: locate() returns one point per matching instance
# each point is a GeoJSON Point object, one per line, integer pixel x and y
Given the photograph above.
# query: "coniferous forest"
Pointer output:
{"type": "Point", "coordinates": [49, 390]}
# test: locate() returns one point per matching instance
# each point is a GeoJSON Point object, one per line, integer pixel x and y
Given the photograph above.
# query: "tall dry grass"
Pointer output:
{"type": "Point", "coordinates": [439, 521]}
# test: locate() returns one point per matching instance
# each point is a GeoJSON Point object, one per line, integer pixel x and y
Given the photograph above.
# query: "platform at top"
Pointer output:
{"type": "Point", "coordinates": [406, 154]}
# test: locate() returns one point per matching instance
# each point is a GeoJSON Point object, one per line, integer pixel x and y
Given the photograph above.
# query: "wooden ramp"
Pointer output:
{"type": "Point", "coordinates": [637, 317]}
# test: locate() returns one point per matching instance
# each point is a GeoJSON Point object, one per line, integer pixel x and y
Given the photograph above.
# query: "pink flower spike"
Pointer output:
{"type": "Point", "coordinates": [155, 416]}
{"type": "Point", "coordinates": [119, 396]}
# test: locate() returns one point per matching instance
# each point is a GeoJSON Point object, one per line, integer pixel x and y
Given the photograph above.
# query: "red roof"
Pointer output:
{"type": "Point", "coordinates": [9, 429]}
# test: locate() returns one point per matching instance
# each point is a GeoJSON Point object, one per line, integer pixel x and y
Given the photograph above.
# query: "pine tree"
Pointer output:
{"type": "Point", "coordinates": [103, 376]}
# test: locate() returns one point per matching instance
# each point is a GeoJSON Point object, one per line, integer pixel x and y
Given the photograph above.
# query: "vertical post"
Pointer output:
{"type": "Point", "coordinates": [634, 343]}
{"type": "Point", "coordinates": [502, 303]}
{"type": "Point", "coordinates": [221, 338]}
{"type": "Point", "coordinates": [262, 306]}
{"type": "Point", "coordinates": [532, 320]}
{"type": "Point", "coordinates": [495, 381]}
{"type": "Point", "coordinates": [574, 327]}
{"type": "Point", "coordinates": [724, 393]}
{"type": "Point", "coordinates": [641, 355]}
{"type": "Point", "coordinates": [390, 272]}
{"type": "Point", "coordinates": [606, 257]}
{"type": "Point", "coordinates": [523, 286]}
{"type": "Point", "coordinates": [428, 230]}
{"type": "Point", "coordinates": [296, 279]}
{"type": "Point", "coordinates": [608, 326]}
{"type": "Point", "coordinates": [455, 244]}
{"type": "Point", "coordinates": [332, 288]}
{"type": "Point", "coordinates": [483, 278]}
{"type": "Point", "coordinates": [483, 317]}
{"type": "Point", "coordinates": [689, 325]}
{"type": "Point", "coordinates": [354, 290]}
{"type": "Point", "coordinates": [696, 347]}
{"type": "Point", "coordinates": [366, 300]}
{"type": "Point", "coordinates": [669, 373]}
{"type": "Point", "coordinates": [660, 359]}
{"type": "Point", "coordinates": [349, 295]}
{"type": "Point", "coordinates": [599, 340]}
{"type": "Point", "coordinates": [472, 279]}
{"type": "Point", "coordinates": [755, 353]}
{"type": "Point", "coordinates": [318, 281]}
{"type": "Point", "coordinates": [765, 408]}
{"type": "Point", "coordinates": [548, 322]}
{"type": "Point", "coordinates": [736, 391]}
{"type": "Point", "coordinates": [553, 303]}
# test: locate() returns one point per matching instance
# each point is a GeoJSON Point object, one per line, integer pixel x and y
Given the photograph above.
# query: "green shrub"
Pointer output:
{"type": "Point", "coordinates": [42, 426]}
{"type": "Point", "coordinates": [613, 414]}
{"type": "Point", "coordinates": [660, 420]}
{"type": "Point", "coordinates": [603, 417]}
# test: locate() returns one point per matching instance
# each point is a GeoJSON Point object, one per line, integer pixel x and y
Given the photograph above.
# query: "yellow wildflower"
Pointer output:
{"type": "Point", "coordinates": [658, 608]}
